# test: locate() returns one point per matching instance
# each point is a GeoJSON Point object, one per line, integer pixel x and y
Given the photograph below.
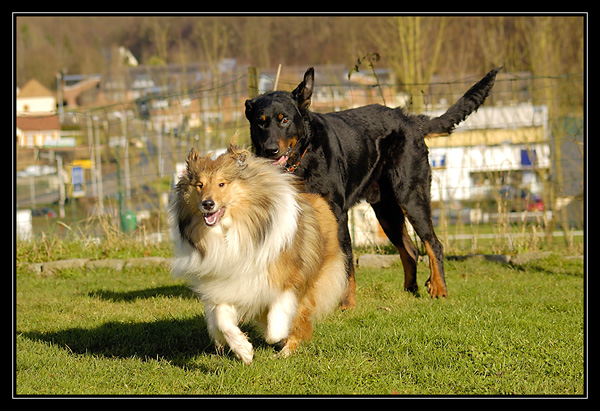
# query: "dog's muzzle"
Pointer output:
{"type": "Point", "coordinates": [282, 160]}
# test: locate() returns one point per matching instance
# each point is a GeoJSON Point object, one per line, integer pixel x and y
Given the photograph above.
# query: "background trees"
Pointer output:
{"type": "Point", "coordinates": [415, 47]}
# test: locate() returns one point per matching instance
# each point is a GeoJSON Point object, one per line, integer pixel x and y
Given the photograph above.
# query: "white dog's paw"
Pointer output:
{"type": "Point", "coordinates": [275, 337]}
{"type": "Point", "coordinates": [244, 352]}
{"type": "Point", "coordinates": [220, 348]}
{"type": "Point", "coordinates": [288, 347]}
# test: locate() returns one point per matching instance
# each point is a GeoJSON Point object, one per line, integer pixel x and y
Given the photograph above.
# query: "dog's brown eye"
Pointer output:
{"type": "Point", "coordinates": [199, 185]}
{"type": "Point", "coordinates": [221, 184]}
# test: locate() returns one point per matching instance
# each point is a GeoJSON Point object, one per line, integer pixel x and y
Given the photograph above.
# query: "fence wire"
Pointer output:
{"type": "Point", "coordinates": [513, 173]}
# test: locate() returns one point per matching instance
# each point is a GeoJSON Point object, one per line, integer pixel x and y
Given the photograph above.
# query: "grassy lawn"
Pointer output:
{"type": "Point", "coordinates": [503, 330]}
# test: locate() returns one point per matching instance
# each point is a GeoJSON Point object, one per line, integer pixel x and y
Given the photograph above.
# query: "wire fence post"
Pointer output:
{"type": "Point", "coordinates": [252, 82]}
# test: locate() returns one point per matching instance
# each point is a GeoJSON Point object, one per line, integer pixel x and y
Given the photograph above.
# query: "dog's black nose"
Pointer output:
{"type": "Point", "coordinates": [271, 151]}
{"type": "Point", "coordinates": [208, 204]}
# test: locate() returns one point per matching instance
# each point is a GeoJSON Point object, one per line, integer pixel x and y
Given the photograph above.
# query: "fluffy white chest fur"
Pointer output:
{"type": "Point", "coordinates": [254, 248]}
{"type": "Point", "coordinates": [234, 270]}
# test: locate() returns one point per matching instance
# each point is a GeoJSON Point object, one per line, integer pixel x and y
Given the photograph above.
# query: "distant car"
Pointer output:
{"type": "Point", "coordinates": [44, 211]}
{"type": "Point", "coordinates": [534, 203]}
{"type": "Point", "coordinates": [36, 171]}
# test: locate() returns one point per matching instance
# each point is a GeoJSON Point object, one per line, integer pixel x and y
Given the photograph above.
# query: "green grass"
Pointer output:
{"type": "Point", "coordinates": [503, 330]}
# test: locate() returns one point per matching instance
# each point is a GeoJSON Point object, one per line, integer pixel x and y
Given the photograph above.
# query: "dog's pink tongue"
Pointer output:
{"type": "Point", "coordinates": [281, 161]}
{"type": "Point", "coordinates": [213, 218]}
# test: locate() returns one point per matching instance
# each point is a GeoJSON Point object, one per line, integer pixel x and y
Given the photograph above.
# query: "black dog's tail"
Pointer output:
{"type": "Point", "coordinates": [466, 105]}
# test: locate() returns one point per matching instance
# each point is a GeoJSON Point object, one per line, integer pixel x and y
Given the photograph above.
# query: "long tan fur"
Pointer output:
{"type": "Point", "coordinates": [255, 248]}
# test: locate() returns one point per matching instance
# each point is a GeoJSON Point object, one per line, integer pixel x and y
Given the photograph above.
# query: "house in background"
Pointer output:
{"type": "Point", "coordinates": [334, 90]}
{"type": "Point", "coordinates": [38, 131]}
{"type": "Point", "coordinates": [33, 99]}
{"type": "Point", "coordinates": [37, 123]}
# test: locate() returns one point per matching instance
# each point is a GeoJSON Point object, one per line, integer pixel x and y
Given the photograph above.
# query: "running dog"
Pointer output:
{"type": "Point", "coordinates": [372, 152]}
{"type": "Point", "coordinates": [254, 247]}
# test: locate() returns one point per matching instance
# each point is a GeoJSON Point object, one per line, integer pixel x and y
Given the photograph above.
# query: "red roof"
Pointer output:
{"type": "Point", "coordinates": [32, 123]}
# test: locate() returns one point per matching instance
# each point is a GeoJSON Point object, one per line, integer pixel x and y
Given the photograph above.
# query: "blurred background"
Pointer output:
{"type": "Point", "coordinates": [107, 107]}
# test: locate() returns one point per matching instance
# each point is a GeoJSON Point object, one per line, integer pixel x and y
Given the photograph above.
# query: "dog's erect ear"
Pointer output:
{"type": "Point", "coordinates": [303, 92]}
{"type": "Point", "coordinates": [248, 109]}
{"type": "Point", "coordinates": [238, 154]}
{"type": "Point", "coordinates": [191, 160]}
{"type": "Point", "coordinates": [192, 157]}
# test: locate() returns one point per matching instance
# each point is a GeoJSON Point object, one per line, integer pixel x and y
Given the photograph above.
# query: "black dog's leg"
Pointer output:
{"type": "Point", "coordinates": [391, 218]}
{"type": "Point", "coordinates": [436, 284]}
{"type": "Point", "coordinates": [413, 196]}
{"type": "Point", "coordinates": [418, 211]}
{"type": "Point", "coordinates": [348, 300]}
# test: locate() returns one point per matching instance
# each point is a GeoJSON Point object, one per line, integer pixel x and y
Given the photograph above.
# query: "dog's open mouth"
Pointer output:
{"type": "Point", "coordinates": [281, 161]}
{"type": "Point", "coordinates": [210, 219]}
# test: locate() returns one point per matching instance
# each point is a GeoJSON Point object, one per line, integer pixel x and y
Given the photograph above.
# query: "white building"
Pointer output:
{"type": "Point", "coordinates": [496, 148]}
{"type": "Point", "coordinates": [35, 99]}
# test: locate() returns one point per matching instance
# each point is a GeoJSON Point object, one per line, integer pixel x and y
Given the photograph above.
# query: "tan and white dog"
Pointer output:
{"type": "Point", "coordinates": [255, 248]}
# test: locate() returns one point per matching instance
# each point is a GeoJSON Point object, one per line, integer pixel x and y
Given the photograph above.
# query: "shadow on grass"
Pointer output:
{"type": "Point", "coordinates": [176, 340]}
{"type": "Point", "coordinates": [130, 296]}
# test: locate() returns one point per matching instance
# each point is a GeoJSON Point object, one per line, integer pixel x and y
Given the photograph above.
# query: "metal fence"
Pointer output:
{"type": "Point", "coordinates": [512, 173]}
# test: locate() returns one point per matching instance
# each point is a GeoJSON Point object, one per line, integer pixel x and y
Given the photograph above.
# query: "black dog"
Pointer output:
{"type": "Point", "coordinates": [372, 152]}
